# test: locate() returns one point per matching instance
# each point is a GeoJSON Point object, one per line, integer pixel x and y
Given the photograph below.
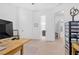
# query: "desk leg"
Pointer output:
{"type": "Point", "coordinates": [73, 51]}
{"type": "Point", "coordinates": [76, 52]}
{"type": "Point", "coordinates": [21, 52]}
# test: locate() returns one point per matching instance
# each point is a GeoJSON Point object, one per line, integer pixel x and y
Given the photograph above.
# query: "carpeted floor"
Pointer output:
{"type": "Point", "coordinates": [39, 47]}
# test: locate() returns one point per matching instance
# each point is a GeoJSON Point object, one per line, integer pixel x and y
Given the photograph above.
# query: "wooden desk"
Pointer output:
{"type": "Point", "coordinates": [13, 46]}
{"type": "Point", "coordinates": [75, 49]}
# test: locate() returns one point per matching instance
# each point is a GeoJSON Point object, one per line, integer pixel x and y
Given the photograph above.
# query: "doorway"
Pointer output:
{"type": "Point", "coordinates": [43, 27]}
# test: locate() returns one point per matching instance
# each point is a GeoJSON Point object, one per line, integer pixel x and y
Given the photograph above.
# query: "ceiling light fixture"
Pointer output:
{"type": "Point", "coordinates": [33, 3]}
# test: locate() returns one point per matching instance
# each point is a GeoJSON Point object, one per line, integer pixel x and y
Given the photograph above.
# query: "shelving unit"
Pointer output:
{"type": "Point", "coordinates": [71, 35]}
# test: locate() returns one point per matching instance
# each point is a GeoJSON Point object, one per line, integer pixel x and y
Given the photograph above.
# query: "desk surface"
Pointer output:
{"type": "Point", "coordinates": [12, 44]}
{"type": "Point", "coordinates": [75, 46]}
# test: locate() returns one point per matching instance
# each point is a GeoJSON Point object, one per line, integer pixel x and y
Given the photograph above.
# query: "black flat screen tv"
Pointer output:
{"type": "Point", "coordinates": [6, 29]}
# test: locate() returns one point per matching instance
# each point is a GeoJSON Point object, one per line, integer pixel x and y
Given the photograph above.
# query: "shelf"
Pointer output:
{"type": "Point", "coordinates": [72, 30]}
{"type": "Point", "coordinates": [67, 40]}
{"type": "Point", "coordinates": [75, 28]}
{"type": "Point", "coordinates": [66, 52]}
{"type": "Point", "coordinates": [74, 24]}
{"type": "Point", "coordinates": [67, 45]}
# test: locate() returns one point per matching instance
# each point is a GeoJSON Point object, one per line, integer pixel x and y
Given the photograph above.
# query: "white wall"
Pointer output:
{"type": "Point", "coordinates": [36, 30]}
{"type": "Point", "coordinates": [8, 12]}
{"type": "Point", "coordinates": [64, 9]}
{"type": "Point", "coordinates": [27, 20]}
{"type": "Point", "coordinates": [25, 23]}
{"type": "Point", "coordinates": [50, 33]}
{"type": "Point", "coordinates": [50, 26]}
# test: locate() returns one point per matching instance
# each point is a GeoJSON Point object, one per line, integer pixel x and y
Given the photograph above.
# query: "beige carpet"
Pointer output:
{"type": "Point", "coordinates": [39, 47]}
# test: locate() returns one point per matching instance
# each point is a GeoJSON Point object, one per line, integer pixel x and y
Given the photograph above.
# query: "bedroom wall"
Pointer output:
{"type": "Point", "coordinates": [8, 12]}
{"type": "Point", "coordinates": [25, 23]}
{"type": "Point", "coordinates": [13, 13]}
{"type": "Point", "coordinates": [50, 33]}
{"type": "Point", "coordinates": [64, 9]}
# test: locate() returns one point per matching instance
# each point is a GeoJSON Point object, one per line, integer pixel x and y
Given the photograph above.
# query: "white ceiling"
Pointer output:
{"type": "Point", "coordinates": [36, 6]}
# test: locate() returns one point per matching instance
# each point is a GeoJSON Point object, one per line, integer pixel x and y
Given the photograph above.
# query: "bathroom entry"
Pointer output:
{"type": "Point", "coordinates": [43, 27]}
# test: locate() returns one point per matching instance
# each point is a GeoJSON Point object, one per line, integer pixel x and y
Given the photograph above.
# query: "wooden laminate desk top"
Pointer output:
{"type": "Point", "coordinates": [13, 44]}
{"type": "Point", "coordinates": [75, 46]}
